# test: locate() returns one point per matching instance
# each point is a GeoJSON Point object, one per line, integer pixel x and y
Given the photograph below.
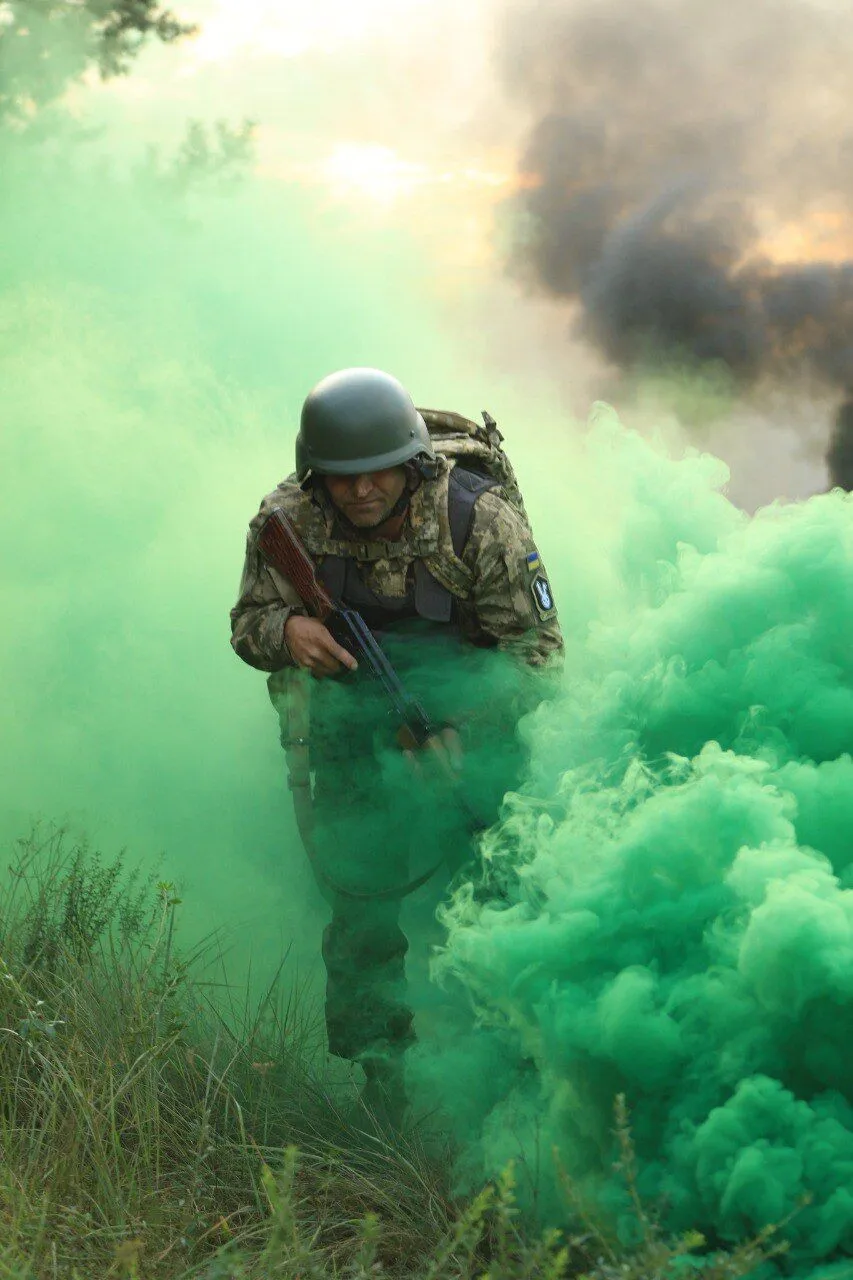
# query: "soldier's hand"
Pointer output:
{"type": "Point", "coordinates": [314, 648]}
{"type": "Point", "coordinates": [445, 748]}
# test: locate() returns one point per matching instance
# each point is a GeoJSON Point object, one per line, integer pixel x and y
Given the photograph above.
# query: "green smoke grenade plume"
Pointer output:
{"type": "Point", "coordinates": [675, 920]}
{"type": "Point", "coordinates": [666, 911]}
{"type": "Point", "coordinates": [155, 348]}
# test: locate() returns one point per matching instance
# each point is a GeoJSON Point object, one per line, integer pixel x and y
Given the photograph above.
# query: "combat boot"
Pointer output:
{"type": "Point", "coordinates": [384, 1090]}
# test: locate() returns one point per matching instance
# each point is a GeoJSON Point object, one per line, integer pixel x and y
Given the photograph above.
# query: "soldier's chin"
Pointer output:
{"type": "Point", "coordinates": [365, 520]}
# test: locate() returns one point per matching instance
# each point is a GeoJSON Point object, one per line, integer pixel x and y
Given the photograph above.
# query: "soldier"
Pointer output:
{"type": "Point", "coordinates": [422, 545]}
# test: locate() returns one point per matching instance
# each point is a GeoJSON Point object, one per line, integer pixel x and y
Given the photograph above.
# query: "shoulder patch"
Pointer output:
{"type": "Point", "coordinates": [542, 596]}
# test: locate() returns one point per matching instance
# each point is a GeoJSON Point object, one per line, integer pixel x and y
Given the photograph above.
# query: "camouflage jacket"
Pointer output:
{"type": "Point", "coordinates": [499, 583]}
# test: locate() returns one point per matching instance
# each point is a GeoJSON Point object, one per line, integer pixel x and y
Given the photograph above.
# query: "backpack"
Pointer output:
{"type": "Point", "coordinates": [474, 448]}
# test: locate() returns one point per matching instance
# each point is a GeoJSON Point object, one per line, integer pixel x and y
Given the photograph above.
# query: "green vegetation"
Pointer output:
{"type": "Point", "coordinates": [150, 1126]}
{"type": "Point", "coordinates": [47, 45]}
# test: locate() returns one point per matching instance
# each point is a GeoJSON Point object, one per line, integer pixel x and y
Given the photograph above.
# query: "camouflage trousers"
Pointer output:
{"type": "Point", "coordinates": [370, 829]}
{"type": "Point", "coordinates": [364, 948]}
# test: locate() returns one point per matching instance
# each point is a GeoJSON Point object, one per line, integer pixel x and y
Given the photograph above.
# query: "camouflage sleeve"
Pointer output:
{"type": "Point", "coordinates": [512, 597]}
{"type": "Point", "coordinates": [258, 618]}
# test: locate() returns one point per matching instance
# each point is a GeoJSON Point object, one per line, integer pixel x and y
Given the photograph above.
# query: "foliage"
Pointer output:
{"type": "Point", "coordinates": [60, 897]}
{"type": "Point", "coordinates": [148, 1131]}
{"type": "Point", "coordinates": [216, 156]}
{"type": "Point", "coordinates": [47, 45]}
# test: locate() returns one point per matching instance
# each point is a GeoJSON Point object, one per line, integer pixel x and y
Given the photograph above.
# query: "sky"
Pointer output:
{"type": "Point", "coordinates": [387, 107]}
{"type": "Point", "coordinates": [389, 117]}
{"type": "Point", "coordinates": [415, 117]}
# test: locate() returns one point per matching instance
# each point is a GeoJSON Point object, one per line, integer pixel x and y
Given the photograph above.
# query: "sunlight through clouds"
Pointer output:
{"type": "Point", "coordinates": [374, 171]}
{"type": "Point", "coordinates": [291, 28]}
{"type": "Point", "coordinates": [381, 175]}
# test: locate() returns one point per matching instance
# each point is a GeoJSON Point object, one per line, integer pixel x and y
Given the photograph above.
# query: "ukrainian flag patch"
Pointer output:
{"type": "Point", "coordinates": [533, 561]}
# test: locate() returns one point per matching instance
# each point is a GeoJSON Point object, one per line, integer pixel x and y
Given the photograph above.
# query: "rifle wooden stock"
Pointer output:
{"type": "Point", "coordinates": [283, 549]}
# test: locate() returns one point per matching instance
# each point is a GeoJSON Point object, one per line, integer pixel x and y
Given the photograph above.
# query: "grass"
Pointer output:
{"type": "Point", "coordinates": [145, 1135]}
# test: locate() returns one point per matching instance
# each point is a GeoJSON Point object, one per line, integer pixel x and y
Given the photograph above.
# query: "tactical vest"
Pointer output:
{"type": "Point", "coordinates": [428, 597]}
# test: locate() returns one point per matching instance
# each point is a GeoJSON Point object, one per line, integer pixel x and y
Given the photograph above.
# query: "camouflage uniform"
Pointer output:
{"type": "Point", "coordinates": [501, 599]}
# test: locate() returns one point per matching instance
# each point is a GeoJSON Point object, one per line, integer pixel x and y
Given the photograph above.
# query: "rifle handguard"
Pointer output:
{"type": "Point", "coordinates": [283, 549]}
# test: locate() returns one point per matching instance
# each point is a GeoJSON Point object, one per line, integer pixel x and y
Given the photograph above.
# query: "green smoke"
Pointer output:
{"type": "Point", "coordinates": [155, 348]}
{"type": "Point", "coordinates": [676, 921]}
{"type": "Point", "coordinates": [666, 909]}
{"type": "Point", "coordinates": [159, 329]}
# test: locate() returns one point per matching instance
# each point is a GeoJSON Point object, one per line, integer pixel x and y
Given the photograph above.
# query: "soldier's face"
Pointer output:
{"type": "Point", "coordinates": [368, 499]}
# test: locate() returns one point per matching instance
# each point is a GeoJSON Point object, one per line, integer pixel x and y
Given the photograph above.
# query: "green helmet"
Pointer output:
{"type": "Point", "coordinates": [359, 420]}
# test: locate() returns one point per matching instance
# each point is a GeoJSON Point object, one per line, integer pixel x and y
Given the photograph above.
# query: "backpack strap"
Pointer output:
{"type": "Point", "coordinates": [463, 490]}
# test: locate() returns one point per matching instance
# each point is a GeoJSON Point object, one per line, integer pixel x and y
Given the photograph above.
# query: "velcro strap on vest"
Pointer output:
{"type": "Point", "coordinates": [368, 552]}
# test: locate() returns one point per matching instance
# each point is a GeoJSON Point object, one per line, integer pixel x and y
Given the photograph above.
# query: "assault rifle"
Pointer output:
{"type": "Point", "coordinates": [283, 549]}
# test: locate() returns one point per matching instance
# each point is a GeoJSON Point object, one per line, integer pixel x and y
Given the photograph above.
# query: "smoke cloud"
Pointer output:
{"type": "Point", "coordinates": [157, 342]}
{"type": "Point", "coordinates": [687, 182]}
{"type": "Point", "coordinates": [667, 907]}
{"type": "Point", "coordinates": [673, 912]}
{"type": "Point", "coordinates": [840, 453]}
{"type": "Point", "coordinates": [162, 318]}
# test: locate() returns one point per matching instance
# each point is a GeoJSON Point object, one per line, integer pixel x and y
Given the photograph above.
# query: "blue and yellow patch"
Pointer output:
{"type": "Point", "coordinates": [533, 561]}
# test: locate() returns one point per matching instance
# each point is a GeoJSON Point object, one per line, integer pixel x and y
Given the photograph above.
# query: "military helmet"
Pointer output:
{"type": "Point", "coordinates": [359, 420]}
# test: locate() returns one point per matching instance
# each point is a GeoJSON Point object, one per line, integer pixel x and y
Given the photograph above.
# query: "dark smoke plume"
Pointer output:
{"type": "Point", "coordinates": [688, 181]}
{"type": "Point", "coordinates": [839, 455]}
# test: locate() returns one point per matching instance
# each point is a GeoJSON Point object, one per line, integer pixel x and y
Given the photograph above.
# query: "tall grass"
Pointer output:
{"type": "Point", "coordinates": [148, 1130]}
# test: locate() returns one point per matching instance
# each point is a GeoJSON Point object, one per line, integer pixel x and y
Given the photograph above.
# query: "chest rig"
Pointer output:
{"type": "Point", "coordinates": [438, 576]}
